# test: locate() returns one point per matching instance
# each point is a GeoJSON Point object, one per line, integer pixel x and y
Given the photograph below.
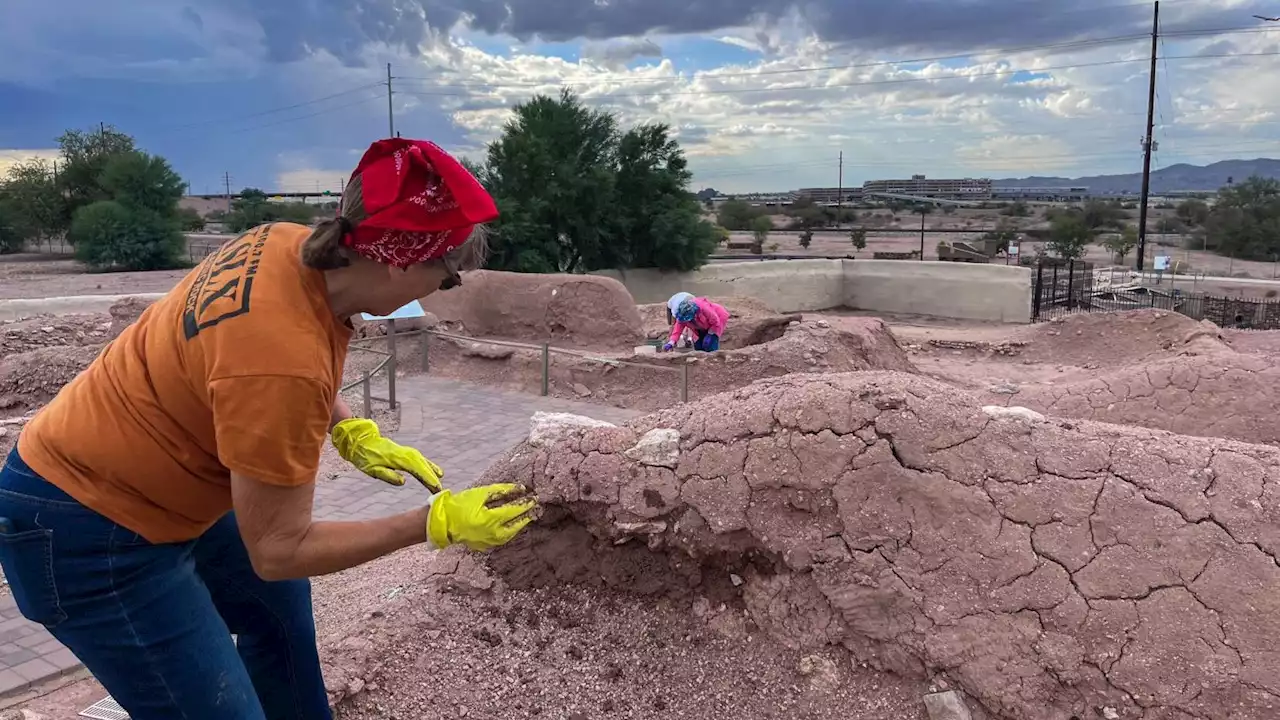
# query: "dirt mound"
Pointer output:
{"type": "Point", "coordinates": [751, 322]}
{"type": "Point", "coordinates": [45, 331]}
{"type": "Point", "coordinates": [125, 312]}
{"type": "Point", "coordinates": [1108, 339]}
{"type": "Point", "coordinates": [1049, 569]}
{"type": "Point", "coordinates": [582, 311]}
{"type": "Point", "coordinates": [31, 379]}
{"type": "Point", "coordinates": [453, 641]}
{"type": "Point", "coordinates": [1215, 394]}
{"type": "Point", "coordinates": [1259, 342]}
{"type": "Point", "coordinates": [654, 381]}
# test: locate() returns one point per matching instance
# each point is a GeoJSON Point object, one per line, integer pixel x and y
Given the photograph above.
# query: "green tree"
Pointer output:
{"type": "Point", "coordinates": [189, 220]}
{"type": "Point", "coordinates": [659, 223]}
{"type": "Point", "coordinates": [858, 236]}
{"type": "Point", "coordinates": [139, 180]}
{"type": "Point", "coordinates": [760, 229]}
{"type": "Point", "coordinates": [109, 235]}
{"type": "Point", "coordinates": [577, 194]}
{"type": "Point", "coordinates": [552, 174]}
{"type": "Point", "coordinates": [1016, 209]}
{"type": "Point", "coordinates": [1193, 211]}
{"type": "Point", "coordinates": [11, 237]}
{"type": "Point", "coordinates": [1102, 214]}
{"type": "Point", "coordinates": [736, 215]}
{"type": "Point", "coordinates": [806, 214]}
{"type": "Point", "coordinates": [85, 155]}
{"type": "Point", "coordinates": [1245, 221]}
{"type": "Point", "coordinates": [138, 227]}
{"type": "Point", "coordinates": [1123, 243]}
{"type": "Point", "coordinates": [36, 210]}
{"type": "Point", "coordinates": [1069, 236]}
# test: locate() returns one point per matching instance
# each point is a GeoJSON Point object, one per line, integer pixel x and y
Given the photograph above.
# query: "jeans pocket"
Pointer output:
{"type": "Point", "coordinates": [27, 560]}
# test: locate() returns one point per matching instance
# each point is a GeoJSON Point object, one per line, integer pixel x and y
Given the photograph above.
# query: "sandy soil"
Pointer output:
{"type": "Point", "coordinates": [31, 275]}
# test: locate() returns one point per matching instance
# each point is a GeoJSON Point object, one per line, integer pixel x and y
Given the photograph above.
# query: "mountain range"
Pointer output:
{"type": "Point", "coordinates": [1180, 177]}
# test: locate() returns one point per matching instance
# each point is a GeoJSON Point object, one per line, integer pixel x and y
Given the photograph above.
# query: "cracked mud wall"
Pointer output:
{"type": "Point", "coordinates": [1051, 569]}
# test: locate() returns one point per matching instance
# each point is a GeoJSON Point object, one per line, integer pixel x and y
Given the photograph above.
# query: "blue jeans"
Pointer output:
{"type": "Point", "coordinates": [153, 623]}
{"type": "Point", "coordinates": [706, 342]}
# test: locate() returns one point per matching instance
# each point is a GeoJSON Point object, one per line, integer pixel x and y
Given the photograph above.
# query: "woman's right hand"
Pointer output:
{"type": "Point", "coordinates": [482, 518]}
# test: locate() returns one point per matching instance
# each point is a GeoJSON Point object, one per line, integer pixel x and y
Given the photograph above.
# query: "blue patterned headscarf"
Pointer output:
{"type": "Point", "coordinates": [686, 310]}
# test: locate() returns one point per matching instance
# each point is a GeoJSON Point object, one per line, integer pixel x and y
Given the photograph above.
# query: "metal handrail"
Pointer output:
{"type": "Point", "coordinates": [548, 351]}
{"type": "Point", "coordinates": [389, 362]}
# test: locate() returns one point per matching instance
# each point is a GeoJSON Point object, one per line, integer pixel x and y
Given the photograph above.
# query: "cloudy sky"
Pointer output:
{"type": "Point", "coordinates": [764, 94]}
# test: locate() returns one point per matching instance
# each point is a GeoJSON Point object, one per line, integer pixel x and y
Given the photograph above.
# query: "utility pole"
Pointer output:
{"type": "Point", "coordinates": [391, 121]}
{"type": "Point", "coordinates": [840, 191]}
{"type": "Point", "coordinates": [1148, 143]}
{"type": "Point", "coordinates": [226, 179]}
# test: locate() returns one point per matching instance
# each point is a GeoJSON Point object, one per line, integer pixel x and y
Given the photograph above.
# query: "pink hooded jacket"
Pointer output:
{"type": "Point", "coordinates": [710, 317]}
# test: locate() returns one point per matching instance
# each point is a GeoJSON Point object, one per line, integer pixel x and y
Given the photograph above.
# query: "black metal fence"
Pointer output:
{"type": "Point", "coordinates": [1063, 288]}
{"type": "Point", "coordinates": [1060, 289]}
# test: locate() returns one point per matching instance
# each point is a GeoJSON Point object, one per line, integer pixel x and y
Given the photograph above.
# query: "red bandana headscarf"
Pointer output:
{"type": "Point", "coordinates": [419, 203]}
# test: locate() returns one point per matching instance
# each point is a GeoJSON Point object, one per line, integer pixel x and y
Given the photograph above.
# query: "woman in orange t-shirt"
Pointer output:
{"type": "Point", "coordinates": [162, 501]}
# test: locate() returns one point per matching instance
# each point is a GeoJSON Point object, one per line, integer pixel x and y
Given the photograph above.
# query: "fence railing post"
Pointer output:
{"type": "Point", "coordinates": [1037, 291]}
{"type": "Point", "coordinates": [368, 395]}
{"type": "Point", "coordinates": [546, 369]}
{"type": "Point", "coordinates": [1071, 284]}
{"type": "Point", "coordinates": [684, 383]}
{"type": "Point", "coordinates": [391, 363]}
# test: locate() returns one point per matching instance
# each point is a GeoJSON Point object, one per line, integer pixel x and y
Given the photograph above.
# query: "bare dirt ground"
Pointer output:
{"type": "Point", "coordinates": [643, 593]}
{"type": "Point", "coordinates": [31, 275]}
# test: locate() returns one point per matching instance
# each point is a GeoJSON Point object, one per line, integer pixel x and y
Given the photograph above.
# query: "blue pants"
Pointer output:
{"type": "Point", "coordinates": [706, 342]}
{"type": "Point", "coordinates": [153, 623]}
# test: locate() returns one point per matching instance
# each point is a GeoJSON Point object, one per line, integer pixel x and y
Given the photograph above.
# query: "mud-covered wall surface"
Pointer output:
{"type": "Point", "coordinates": [1153, 369]}
{"type": "Point", "coordinates": [578, 310]}
{"type": "Point", "coordinates": [1050, 569]}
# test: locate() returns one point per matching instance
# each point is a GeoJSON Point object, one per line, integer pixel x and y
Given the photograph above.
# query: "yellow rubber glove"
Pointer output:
{"type": "Point", "coordinates": [359, 443]}
{"type": "Point", "coordinates": [482, 518]}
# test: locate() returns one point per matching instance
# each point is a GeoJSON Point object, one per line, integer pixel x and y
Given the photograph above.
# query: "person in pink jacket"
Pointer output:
{"type": "Point", "coordinates": [705, 318]}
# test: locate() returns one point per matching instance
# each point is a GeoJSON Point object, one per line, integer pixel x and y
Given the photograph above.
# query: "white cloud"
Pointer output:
{"type": "Point", "coordinates": [9, 158]}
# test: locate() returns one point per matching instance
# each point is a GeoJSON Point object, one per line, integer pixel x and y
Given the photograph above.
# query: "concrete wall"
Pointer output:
{"type": "Point", "coordinates": [965, 291]}
{"type": "Point", "coordinates": [785, 285]}
{"type": "Point", "coordinates": [994, 293]}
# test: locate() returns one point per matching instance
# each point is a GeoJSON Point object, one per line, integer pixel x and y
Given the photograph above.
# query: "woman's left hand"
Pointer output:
{"type": "Point", "coordinates": [360, 443]}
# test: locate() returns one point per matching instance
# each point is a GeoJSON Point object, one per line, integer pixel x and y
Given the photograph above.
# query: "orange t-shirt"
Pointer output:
{"type": "Point", "coordinates": [235, 369]}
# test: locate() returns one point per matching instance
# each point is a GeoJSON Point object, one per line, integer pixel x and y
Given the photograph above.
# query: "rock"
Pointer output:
{"type": "Point", "coordinates": [1003, 389]}
{"type": "Point", "coordinates": [1012, 413]}
{"type": "Point", "coordinates": [124, 312]}
{"type": "Point", "coordinates": [1110, 713]}
{"type": "Point", "coordinates": [660, 447]}
{"type": "Point", "coordinates": [546, 428]}
{"type": "Point", "coordinates": [486, 351]}
{"type": "Point", "coordinates": [946, 706]}
{"type": "Point", "coordinates": [581, 390]}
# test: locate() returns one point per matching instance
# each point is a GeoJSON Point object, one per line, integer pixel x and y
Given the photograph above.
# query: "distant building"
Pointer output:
{"type": "Point", "coordinates": [756, 199]}
{"type": "Point", "coordinates": [919, 185]}
{"type": "Point", "coordinates": [1042, 194]}
{"type": "Point", "coordinates": [830, 195]}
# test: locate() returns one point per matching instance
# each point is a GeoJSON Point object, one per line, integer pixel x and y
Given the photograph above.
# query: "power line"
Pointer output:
{"type": "Point", "coordinates": [270, 111]}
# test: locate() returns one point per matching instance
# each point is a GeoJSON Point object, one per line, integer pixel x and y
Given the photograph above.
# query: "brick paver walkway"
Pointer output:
{"type": "Point", "coordinates": [462, 427]}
